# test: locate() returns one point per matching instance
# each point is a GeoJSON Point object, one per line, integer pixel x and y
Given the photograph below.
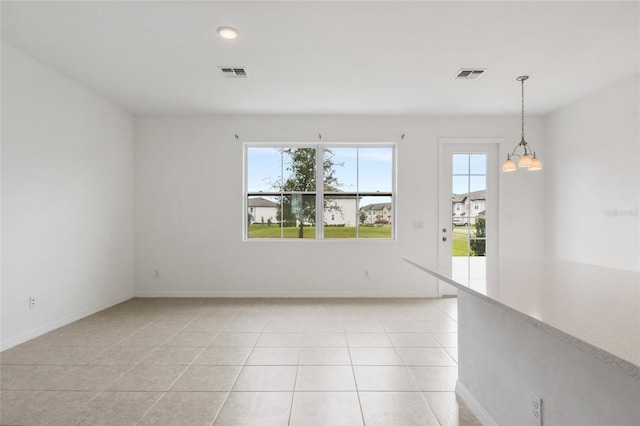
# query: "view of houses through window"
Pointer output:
{"type": "Point", "coordinates": [292, 189]}
{"type": "Point", "coordinates": [469, 207]}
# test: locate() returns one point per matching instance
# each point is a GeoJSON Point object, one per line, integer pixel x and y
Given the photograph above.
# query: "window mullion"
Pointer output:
{"type": "Point", "coordinates": [320, 192]}
{"type": "Point", "coordinates": [358, 206]}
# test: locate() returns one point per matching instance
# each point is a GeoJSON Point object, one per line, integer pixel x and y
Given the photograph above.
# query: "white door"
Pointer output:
{"type": "Point", "coordinates": [468, 212]}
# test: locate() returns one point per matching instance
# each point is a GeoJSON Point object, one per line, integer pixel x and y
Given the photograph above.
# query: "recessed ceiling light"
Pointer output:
{"type": "Point", "coordinates": [228, 32]}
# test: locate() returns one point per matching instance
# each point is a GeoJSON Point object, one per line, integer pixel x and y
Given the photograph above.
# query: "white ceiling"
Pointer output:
{"type": "Point", "coordinates": [332, 57]}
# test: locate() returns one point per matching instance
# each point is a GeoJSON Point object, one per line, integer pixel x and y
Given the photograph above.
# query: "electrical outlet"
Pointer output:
{"type": "Point", "coordinates": [156, 274]}
{"type": "Point", "coordinates": [536, 408]}
{"type": "Point", "coordinates": [365, 274]}
{"type": "Point", "coordinates": [32, 302]}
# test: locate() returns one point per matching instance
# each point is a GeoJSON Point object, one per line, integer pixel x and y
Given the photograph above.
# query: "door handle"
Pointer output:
{"type": "Point", "coordinates": [444, 238]}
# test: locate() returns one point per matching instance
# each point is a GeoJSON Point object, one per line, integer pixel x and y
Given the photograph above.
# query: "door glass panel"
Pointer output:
{"type": "Point", "coordinates": [469, 210]}
{"type": "Point", "coordinates": [478, 164]}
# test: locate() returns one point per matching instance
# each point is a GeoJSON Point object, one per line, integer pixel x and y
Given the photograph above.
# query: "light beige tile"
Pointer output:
{"type": "Point", "coordinates": [363, 326]}
{"type": "Point", "coordinates": [432, 314]}
{"type": "Point", "coordinates": [99, 338]}
{"type": "Point", "coordinates": [292, 325]}
{"type": "Point", "coordinates": [50, 355]}
{"type": "Point", "coordinates": [122, 355]}
{"type": "Point", "coordinates": [185, 408]}
{"type": "Point", "coordinates": [449, 409]}
{"type": "Point", "coordinates": [235, 339]}
{"type": "Point", "coordinates": [31, 377]}
{"type": "Point", "coordinates": [325, 378]}
{"type": "Point", "coordinates": [324, 356]}
{"type": "Point", "coordinates": [208, 324]}
{"type": "Point", "coordinates": [405, 326]}
{"type": "Point", "coordinates": [396, 408]}
{"type": "Point", "coordinates": [370, 340]}
{"type": "Point", "coordinates": [323, 324]}
{"type": "Point", "coordinates": [172, 355]}
{"type": "Point", "coordinates": [428, 357]}
{"type": "Point", "coordinates": [17, 407]}
{"type": "Point", "coordinates": [424, 326]}
{"type": "Point", "coordinates": [224, 355]}
{"type": "Point", "coordinates": [116, 408]}
{"type": "Point", "coordinates": [23, 355]}
{"type": "Point", "coordinates": [324, 339]}
{"type": "Point", "coordinates": [40, 407]}
{"type": "Point", "coordinates": [446, 340]}
{"type": "Point", "coordinates": [435, 378]}
{"type": "Point", "coordinates": [384, 378]}
{"type": "Point", "coordinates": [148, 378]}
{"type": "Point", "coordinates": [375, 356]}
{"type": "Point", "coordinates": [90, 377]}
{"type": "Point", "coordinates": [325, 408]}
{"type": "Point", "coordinates": [274, 356]}
{"type": "Point", "coordinates": [255, 409]}
{"type": "Point", "coordinates": [190, 338]}
{"type": "Point", "coordinates": [163, 328]}
{"type": "Point", "coordinates": [145, 340]}
{"type": "Point", "coordinates": [453, 353]}
{"type": "Point", "coordinates": [279, 339]}
{"type": "Point", "coordinates": [448, 326]}
{"type": "Point", "coordinates": [246, 325]}
{"type": "Point", "coordinates": [416, 340]}
{"type": "Point", "coordinates": [207, 378]}
{"type": "Point", "coordinates": [266, 378]}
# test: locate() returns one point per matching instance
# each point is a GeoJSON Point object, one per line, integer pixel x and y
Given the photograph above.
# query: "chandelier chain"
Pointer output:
{"type": "Point", "coordinates": [522, 97]}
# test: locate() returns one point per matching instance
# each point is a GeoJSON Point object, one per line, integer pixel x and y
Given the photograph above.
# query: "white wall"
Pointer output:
{"type": "Point", "coordinates": [503, 358]}
{"type": "Point", "coordinates": [592, 165]}
{"type": "Point", "coordinates": [67, 200]}
{"type": "Point", "coordinates": [189, 206]}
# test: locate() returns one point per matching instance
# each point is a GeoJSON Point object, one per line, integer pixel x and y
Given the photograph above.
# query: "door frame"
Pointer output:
{"type": "Point", "coordinates": [490, 146]}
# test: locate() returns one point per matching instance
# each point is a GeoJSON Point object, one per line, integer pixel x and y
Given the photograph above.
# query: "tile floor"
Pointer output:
{"type": "Point", "coordinates": [241, 362]}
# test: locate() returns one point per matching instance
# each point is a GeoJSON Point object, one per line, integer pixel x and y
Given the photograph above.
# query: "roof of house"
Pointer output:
{"type": "Point", "coordinates": [475, 195]}
{"type": "Point", "coordinates": [377, 206]}
{"type": "Point", "coordinates": [261, 202]}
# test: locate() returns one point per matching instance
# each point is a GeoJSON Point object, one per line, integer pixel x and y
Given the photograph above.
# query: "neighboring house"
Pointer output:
{"type": "Point", "coordinates": [262, 210]}
{"type": "Point", "coordinates": [378, 211]}
{"type": "Point", "coordinates": [341, 211]}
{"type": "Point", "coordinates": [468, 206]}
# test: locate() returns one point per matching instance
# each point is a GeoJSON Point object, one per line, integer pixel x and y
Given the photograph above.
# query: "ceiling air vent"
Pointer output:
{"type": "Point", "coordinates": [469, 74]}
{"type": "Point", "coordinates": [234, 72]}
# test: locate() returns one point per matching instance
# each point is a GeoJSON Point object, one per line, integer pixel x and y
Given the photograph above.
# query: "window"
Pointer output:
{"type": "Point", "coordinates": [320, 192]}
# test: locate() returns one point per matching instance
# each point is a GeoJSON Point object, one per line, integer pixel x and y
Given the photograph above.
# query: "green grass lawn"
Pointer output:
{"type": "Point", "coordinates": [460, 247]}
{"type": "Point", "coordinates": [460, 240]}
{"type": "Point", "coordinates": [273, 231]}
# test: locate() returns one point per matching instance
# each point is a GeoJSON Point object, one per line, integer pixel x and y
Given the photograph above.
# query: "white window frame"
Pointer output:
{"type": "Point", "coordinates": [319, 193]}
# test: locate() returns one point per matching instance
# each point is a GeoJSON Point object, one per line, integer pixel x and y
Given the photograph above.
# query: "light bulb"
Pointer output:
{"type": "Point", "coordinates": [508, 165]}
{"type": "Point", "coordinates": [536, 164]}
{"type": "Point", "coordinates": [228, 32]}
{"type": "Point", "coordinates": [525, 161]}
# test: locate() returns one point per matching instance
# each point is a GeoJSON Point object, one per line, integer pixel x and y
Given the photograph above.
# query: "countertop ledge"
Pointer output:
{"type": "Point", "coordinates": [500, 293]}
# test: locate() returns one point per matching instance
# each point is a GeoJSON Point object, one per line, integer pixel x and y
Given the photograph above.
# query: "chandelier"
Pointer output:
{"type": "Point", "coordinates": [528, 158]}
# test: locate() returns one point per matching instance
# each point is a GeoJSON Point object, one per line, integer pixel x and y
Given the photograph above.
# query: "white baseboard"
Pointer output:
{"type": "Point", "coordinates": [474, 406]}
{"type": "Point", "coordinates": [39, 331]}
{"type": "Point", "coordinates": [285, 294]}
